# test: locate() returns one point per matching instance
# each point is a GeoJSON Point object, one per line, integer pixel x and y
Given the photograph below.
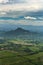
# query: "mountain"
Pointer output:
{"type": "Point", "coordinates": [8, 27]}
{"type": "Point", "coordinates": [19, 31]}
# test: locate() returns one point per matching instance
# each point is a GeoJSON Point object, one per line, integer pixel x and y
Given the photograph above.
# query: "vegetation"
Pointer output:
{"type": "Point", "coordinates": [21, 52]}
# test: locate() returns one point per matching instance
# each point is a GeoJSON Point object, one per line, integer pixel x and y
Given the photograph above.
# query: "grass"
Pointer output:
{"type": "Point", "coordinates": [13, 58]}
{"type": "Point", "coordinates": [34, 48]}
{"type": "Point", "coordinates": [17, 55]}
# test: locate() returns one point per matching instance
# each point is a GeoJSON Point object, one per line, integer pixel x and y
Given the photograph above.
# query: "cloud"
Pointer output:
{"type": "Point", "coordinates": [19, 7]}
{"type": "Point", "coordinates": [22, 22]}
{"type": "Point", "coordinates": [22, 11]}
{"type": "Point", "coordinates": [11, 1]}
{"type": "Point", "coordinates": [40, 18]}
{"type": "Point", "coordinates": [16, 1]}
{"type": "Point", "coordinates": [30, 18]}
{"type": "Point", "coordinates": [37, 23]}
{"type": "Point", "coordinates": [17, 18]}
{"type": "Point", "coordinates": [2, 13]}
{"type": "Point", "coordinates": [31, 5]}
{"type": "Point", "coordinates": [3, 1]}
{"type": "Point", "coordinates": [22, 8]}
{"type": "Point", "coordinates": [24, 4]}
{"type": "Point", "coordinates": [33, 23]}
{"type": "Point", "coordinates": [30, 2]}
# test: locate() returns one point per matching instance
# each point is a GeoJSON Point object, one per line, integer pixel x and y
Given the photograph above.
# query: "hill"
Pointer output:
{"type": "Point", "coordinates": [19, 31]}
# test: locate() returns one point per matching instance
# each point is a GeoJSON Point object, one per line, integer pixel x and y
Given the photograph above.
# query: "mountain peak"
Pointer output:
{"type": "Point", "coordinates": [19, 29]}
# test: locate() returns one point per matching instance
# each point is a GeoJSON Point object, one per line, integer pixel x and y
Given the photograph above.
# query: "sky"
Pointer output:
{"type": "Point", "coordinates": [21, 12]}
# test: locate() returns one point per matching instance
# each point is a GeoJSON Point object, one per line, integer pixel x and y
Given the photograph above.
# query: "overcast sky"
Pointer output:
{"type": "Point", "coordinates": [22, 12]}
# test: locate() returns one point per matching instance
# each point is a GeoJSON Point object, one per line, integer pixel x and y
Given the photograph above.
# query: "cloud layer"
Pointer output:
{"type": "Point", "coordinates": [23, 12]}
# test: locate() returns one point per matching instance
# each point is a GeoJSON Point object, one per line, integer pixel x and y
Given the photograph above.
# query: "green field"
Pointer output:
{"type": "Point", "coordinates": [16, 58]}
{"type": "Point", "coordinates": [21, 52]}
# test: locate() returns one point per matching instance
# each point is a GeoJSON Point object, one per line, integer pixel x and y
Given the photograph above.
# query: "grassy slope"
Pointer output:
{"type": "Point", "coordinates": [20, 58]}
{"type": "Point", "coordinates": [16, 58]}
